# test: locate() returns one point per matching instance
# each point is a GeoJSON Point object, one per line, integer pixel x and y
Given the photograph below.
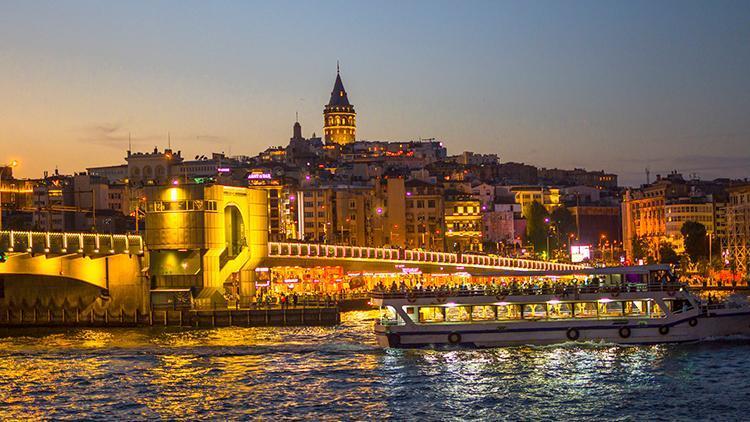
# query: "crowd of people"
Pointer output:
{"type": "Point", "coordinates": [503, 287]}
{"type": "Point", "coordinates": [269, 300]}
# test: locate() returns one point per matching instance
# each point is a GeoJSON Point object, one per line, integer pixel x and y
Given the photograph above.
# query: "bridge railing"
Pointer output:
{"type": "Point", "coordinates": [69, 243]}
{"type": "Point", "coordinates": [312, 250]}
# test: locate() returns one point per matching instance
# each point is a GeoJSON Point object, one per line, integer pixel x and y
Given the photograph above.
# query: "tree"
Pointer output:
{"type": "Point", "coordinates": [696, 242]}
{"type": "Point", "coordinates": [537, 229]}
{"type": "Point", "coordinates": [564, 220]}
{"type": "Point", "coordinates": [667, 254]}
{"type": "Point", "coordinates": [639, 246]}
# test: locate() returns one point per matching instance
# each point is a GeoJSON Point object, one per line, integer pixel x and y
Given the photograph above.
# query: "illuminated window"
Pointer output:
{"type": "Point", "coordinates": [534, 311]}
{"type": "Point", "coordinates": [457, 314]}
{"type": "Point", "coordinates": [431, 314]}
{"type": "Point", "coordinates": [508, 312]}
{"type": "Point", "coordinates": [483, 313]}
{"type": "Point", "coordinates": [585, 310]}
{"type": "Point", "coordinates": [560, 310]}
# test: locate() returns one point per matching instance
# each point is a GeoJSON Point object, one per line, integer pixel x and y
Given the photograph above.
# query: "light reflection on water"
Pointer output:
{"type": "Point", "coordinates": [339, 373]}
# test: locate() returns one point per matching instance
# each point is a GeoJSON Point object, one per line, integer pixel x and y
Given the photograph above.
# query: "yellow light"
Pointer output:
{"type": "Point", "coordinates": [173, 194]}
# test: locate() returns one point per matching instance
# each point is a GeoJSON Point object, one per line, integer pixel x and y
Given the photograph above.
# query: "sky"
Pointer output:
{"type": "Point", "coordinates": [619, 86]}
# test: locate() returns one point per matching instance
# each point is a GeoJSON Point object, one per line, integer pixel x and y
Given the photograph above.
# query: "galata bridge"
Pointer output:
{"type": "Point", "coordinates": [203, 245]}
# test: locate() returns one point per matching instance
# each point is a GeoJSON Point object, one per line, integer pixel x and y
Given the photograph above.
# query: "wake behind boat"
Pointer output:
{"type": "Point", "coordinates": [625, 305]}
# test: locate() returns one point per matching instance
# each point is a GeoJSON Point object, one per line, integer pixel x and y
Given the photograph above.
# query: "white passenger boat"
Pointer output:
{"type": "Point", "coordinates": [626, 305]}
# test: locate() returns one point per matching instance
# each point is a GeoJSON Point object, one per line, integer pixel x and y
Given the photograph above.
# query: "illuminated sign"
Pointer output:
{"type": "Point", "coordinates": [291, 280]}
{"type": "Point", "coordinates": [579, 253]}
{"type": "Point", "coordinates": [408, 270]}
{"type": "Point", "coordinates": [223, 169]}
{"type": "Point", "coordinates": [259, 176]}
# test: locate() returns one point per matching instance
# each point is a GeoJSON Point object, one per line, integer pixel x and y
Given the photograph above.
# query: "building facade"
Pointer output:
{"type": "Point", "coordinates": [738, 228]}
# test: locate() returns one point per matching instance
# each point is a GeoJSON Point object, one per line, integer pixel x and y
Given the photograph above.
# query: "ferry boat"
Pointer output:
{"type": "Point", "coordinates": [624, 305]}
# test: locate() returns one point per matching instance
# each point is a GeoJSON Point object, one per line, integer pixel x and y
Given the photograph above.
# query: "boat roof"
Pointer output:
{"type": "Point", "coordinates": [633, 269]}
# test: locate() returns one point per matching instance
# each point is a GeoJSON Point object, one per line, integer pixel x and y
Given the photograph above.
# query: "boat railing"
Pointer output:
{"type": "Point", "coordinates": [502, 292]}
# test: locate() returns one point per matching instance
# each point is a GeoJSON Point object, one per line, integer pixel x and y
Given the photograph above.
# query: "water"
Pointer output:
{"type": "Point", "coordinates": [339, 373]}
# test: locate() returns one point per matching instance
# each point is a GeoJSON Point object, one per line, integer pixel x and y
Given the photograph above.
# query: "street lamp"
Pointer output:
{"type": "Point", "coordinates": [546, 221]}
{"type": "Point", "coordinates": [12, 164]}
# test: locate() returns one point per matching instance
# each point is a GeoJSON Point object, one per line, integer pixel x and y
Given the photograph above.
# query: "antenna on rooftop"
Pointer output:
{"type": "Point", "coordinates": [648, 176]}
{"type": "Point", "coordinates": [130, 143]}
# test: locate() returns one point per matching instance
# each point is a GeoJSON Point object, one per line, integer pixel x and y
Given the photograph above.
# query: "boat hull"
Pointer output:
{"type": "Point", "coordinates": [687, 328]}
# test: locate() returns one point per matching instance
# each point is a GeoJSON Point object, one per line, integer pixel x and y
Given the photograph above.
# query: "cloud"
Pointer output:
{"type": "Point", "coordinates": [112, 135]}
{"type": "Point", "coordinates": [117, 136]}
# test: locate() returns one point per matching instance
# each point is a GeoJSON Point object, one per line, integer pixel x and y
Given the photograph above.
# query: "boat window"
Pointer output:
{"type": "Point", "coordinates": [431, 314]}
{"type": "Point", "coordinates": [560, 310]}
{"type": "Point", "coordinates": [585, 310]}
{"type": "Point", "coordinates": [655, 310]}
{"type": "Point", "coordinates": [389, 316]}
{"type": "Point", "coordinates": [610, 309]}
{"type": "Point", "coordinates": [534, 311]}
{"type": "Point", "coordinates": [636, 308]}
{"type": "Point", "coordinates": [678, 305]}
{"type": "Point", "coordinates": [457, 314]}
{"type": "Point", "coordinates": [483, 313]}
{"type": "Point", "coordinates": [508, 312]}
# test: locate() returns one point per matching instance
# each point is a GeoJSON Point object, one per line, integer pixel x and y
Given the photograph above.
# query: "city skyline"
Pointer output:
{"type": "Point", "coordinates": [622, 87]}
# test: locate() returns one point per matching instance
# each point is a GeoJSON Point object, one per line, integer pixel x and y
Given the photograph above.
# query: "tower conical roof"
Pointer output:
{"type": "Point", "coordinates": [338, 95]}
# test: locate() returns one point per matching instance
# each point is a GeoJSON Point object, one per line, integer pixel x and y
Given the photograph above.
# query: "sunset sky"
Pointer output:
{"type": "Point", "coordinates": [619, 86]}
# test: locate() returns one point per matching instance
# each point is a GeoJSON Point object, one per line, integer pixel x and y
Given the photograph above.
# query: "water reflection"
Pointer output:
{"type": "Point", "coordinates": [339, 373]}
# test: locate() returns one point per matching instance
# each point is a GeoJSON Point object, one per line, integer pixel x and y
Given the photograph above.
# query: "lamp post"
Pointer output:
{"type": "Point", "coordinates": [2, 169]}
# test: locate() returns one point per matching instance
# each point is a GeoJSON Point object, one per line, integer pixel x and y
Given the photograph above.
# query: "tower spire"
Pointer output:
{"type": "Point", "coordinates": [339, 117]}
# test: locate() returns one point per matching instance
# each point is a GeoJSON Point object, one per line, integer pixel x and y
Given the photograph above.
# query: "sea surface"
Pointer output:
{"type": "Point", "coordinates": [340, 374]}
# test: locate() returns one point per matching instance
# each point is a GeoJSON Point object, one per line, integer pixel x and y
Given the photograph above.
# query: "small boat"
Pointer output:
{"type": "Point", "coordinates": [627, 305]}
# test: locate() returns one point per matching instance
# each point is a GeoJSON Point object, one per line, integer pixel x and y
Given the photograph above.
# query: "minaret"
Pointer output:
{"type": "Point", "coordinates": [297, 130]}
{"type": "Point", "coordinates": [339, 117]}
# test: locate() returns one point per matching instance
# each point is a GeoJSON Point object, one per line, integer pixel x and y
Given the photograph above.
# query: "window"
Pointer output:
{"type": "Point", "coordinates": [655, 310]}
{"type": "Point", "coordinates": [610, 309]}
{"type": "Point", "coordinates": [534, 311]}
{"type": "Point", "coordinates": [585, 310]}
{"type": "Point", "coordinates": [482, 313]}
{"type": "Point", "coordinates": [560, 310]}
{"type": "Point", "coordinates": [352, 205]}
{"type": "Point", "coordinates": [636, 308]}
{"type": "Point", "coordinates": [431, 314]}
{"type": "Point", "coordinates": [457, 314]}
{"type": "Point", "coordinates": [508, 312]}
{"type": "Point", "coordinates": [431, 203]}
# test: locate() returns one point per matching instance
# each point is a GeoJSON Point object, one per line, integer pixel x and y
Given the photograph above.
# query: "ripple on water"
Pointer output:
{"type": "Point", "coordinates": [339, 373]}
